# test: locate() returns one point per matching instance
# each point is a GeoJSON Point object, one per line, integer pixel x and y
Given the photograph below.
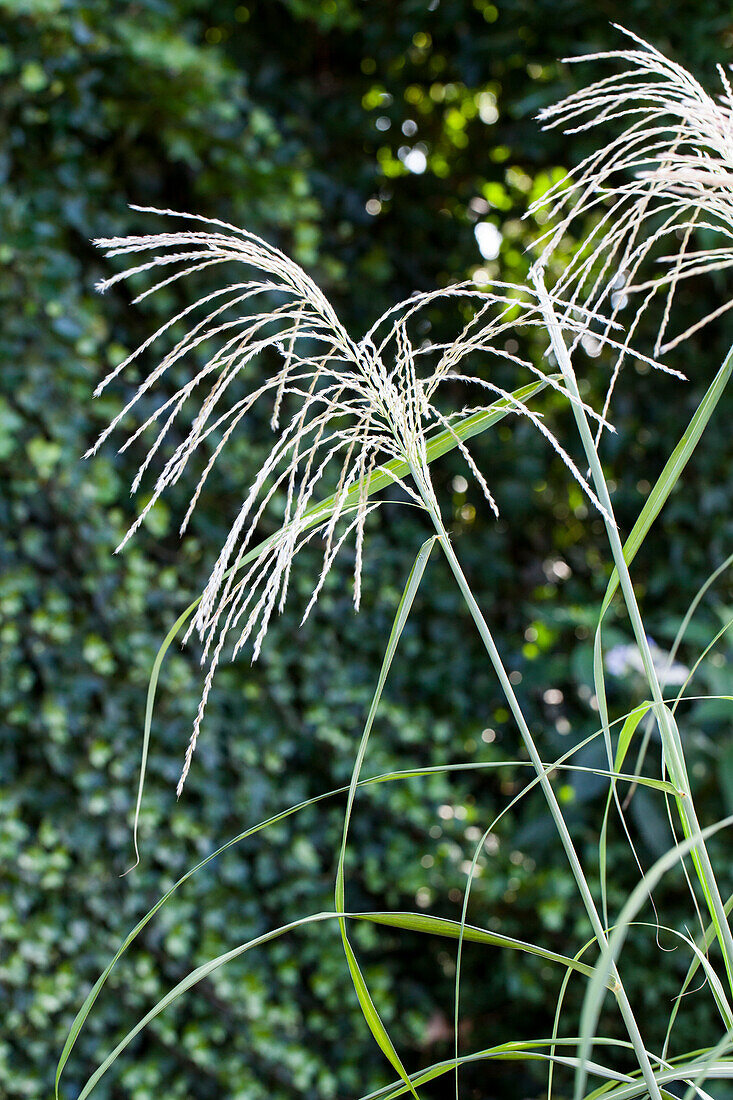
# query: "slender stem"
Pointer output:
{"type": "Point", "coordinates": [670, 736]}
{"type": "Point", "coordinates": [547, 789]}
{"type": "Point", "coordinates": [649, 722]}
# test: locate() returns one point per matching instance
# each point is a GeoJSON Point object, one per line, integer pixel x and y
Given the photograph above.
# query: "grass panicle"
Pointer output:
{"type": "Point", "coordinates": [341, 410]}
{"type": "Point", "coordinates": [651, 189]}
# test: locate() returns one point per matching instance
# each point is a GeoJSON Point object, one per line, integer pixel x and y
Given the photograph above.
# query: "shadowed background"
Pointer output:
{"type": "Point", "coordinates": [389, 147]}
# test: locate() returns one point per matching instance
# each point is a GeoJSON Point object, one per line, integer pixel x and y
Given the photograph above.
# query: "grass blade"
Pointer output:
{"type": "Point", "coordinates": [451, 929]}
{"type": "Point", "coordinates": [596, 989]}
{"type": "Point", "coordinates": [671, 472]}
{"type": "Point", "coordinates": [627, 732]}
{"type": "Point", "coordinates": [532, 1050]}
{"type": "Point", "coordinates": [371, 1015]}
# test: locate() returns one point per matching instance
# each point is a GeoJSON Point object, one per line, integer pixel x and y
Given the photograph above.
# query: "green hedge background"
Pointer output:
{"type": "Point", "coordinates": [288, 117]}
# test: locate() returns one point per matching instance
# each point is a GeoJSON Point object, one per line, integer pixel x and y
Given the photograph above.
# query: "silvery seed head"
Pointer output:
{"type": "Point", "coordinates": [667, 174]}
{"type": "Point", "coordinates": [339, 408]}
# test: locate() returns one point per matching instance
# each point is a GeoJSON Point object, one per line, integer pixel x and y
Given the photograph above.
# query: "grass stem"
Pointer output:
{"type": "Point", "coordinates": [547, 788]}
{"type": "Point", "coordinates": [674, 755]}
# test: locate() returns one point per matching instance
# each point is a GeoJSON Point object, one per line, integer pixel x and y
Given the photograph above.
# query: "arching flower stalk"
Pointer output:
{"type": "Point", "coordinates": [667, 175]}
{"type": "Point", "coordinates": [340, 410]}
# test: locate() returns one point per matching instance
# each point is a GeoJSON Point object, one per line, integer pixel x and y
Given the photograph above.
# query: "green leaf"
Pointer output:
{"type": "Point", "coordinates": [530, 1051]}
{"type": "Point", "coordinates": [371, 1015]}
{"type": "Point", "coordinates": [451, 929]}
{"type": "Point", "coordinates": [627, 732]}
{"type": "Point", "coordinates": [670, 474]}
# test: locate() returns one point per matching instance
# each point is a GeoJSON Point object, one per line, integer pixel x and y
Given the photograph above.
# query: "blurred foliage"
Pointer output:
{"type": "Point", "coordinates": [369, 140]}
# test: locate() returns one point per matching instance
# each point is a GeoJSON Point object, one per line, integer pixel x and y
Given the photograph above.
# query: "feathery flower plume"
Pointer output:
{"type": "Point", "coordinates": [340, 409]}
{"type": "Point", "coordinates": [668, 174]}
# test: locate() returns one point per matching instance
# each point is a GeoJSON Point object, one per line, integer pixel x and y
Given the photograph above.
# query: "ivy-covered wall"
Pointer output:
{"type": "Point", "coordinates": [368, 139]}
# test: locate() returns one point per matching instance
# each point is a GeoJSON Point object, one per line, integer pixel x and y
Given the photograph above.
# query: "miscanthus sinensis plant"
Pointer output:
{"type": "Point", "coordinates": [351, 417]}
